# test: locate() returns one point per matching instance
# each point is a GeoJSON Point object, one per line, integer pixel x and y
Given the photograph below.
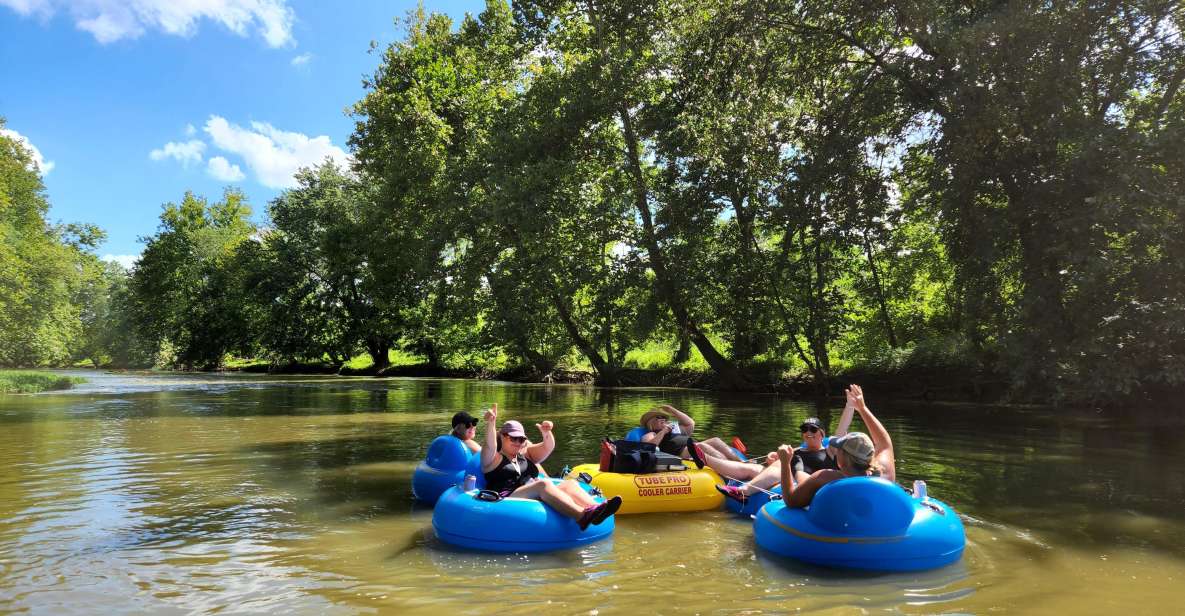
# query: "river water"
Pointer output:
{"type": "Point", "coordinates": [171, 494]}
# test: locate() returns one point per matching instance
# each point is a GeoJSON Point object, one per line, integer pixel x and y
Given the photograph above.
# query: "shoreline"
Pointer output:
{"type": "Point", "coordinates": [930, 388]}
{"type": "Point", "coordinates": [933, 386]}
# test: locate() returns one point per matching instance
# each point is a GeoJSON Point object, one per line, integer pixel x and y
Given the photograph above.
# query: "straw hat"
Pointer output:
{"type": "Point", "coordinates": [651, 414]}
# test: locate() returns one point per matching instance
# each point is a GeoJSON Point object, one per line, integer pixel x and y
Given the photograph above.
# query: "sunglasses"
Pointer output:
{"type": "Point", "coordinates": [517, 440]}
{"type": "Point", "coordinates": [811, 429]}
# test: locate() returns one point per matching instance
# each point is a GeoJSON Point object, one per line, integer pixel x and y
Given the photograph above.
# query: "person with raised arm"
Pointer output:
{"type": "Point", "coordinates": [856, 454]}
{"type": "Point", "coordinates": [674, 437]}
{"type": "Point", "coordinates": [511, 469]}
{"type": "Point", "coordinates": [805, 460]}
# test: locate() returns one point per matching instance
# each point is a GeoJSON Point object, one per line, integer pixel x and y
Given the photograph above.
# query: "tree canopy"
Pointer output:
{"type": "Point", "coordinates": [756, 188]}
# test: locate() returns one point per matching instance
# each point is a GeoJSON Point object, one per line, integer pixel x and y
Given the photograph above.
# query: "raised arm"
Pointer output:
{"type": "Point", "coordinates": [845, 418]}
{"type": "Point", "coordinates": [489, 453]}
{"type": "Point", "coordinates": [686, 423]}
{"type": "Point", "coordinates": [538, 452]}
{"type": "Point", "coordinates": [878, 434]}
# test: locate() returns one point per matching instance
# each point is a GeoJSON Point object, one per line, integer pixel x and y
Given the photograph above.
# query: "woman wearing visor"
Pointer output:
{"type": "Point", "coordinates": [510, 465]}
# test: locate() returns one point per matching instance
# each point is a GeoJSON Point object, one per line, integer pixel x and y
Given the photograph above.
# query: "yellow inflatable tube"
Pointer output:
{"type": "Point", "coordinates": [690, 490]}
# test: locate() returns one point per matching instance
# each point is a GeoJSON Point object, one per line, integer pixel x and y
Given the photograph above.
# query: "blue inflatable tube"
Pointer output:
{"type": "Point", "coordinates": [509, 525]}
{"type": "Point", "coordinates": [863, 523]}
{"type": "Point", "coordinates": [447, 463]}
{"type": "Point", "coordinates": [636, 434]}
{"type": "Point", "coordinates": [753, 504]}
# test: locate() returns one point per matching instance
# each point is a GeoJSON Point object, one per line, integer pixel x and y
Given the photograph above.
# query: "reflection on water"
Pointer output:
{"type": "Point", "coordinates": [183, 493]}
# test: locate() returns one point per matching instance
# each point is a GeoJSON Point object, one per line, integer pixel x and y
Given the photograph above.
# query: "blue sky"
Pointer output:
{"type": "Point", "coordinates": [133, 102]}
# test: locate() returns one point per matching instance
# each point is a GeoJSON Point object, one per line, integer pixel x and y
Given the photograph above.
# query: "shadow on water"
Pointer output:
{"type": "Point", "coordinates": [329, 453]}
{"type": "Point", "coordinates": [361, 475]}
{"type": "Point", "coordinates": [882, 590]}
{"type": "Point", "coordinates": [471, 562]}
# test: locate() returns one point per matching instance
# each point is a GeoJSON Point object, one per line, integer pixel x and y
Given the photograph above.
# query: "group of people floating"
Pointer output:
{"type": "Point", "coordinates": [511, 463]}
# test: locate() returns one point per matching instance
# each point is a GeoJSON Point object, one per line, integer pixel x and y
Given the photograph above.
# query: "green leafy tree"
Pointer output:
{"type": "Point", "coordinates": [45, 269]}
{"type": "Point", "coordinates": [187, 291]}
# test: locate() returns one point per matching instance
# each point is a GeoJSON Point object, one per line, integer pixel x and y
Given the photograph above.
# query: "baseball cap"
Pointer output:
{"type": "Point", "coordinates": [855, 444]}
{"type": "Point", "coordinates": [812, 421]}
{"type": "Point", "coordinates": [464, 418]}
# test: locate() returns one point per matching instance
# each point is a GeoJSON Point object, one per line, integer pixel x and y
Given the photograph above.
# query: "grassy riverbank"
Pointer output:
{"type": "Point", "coordinates": [32, 381]}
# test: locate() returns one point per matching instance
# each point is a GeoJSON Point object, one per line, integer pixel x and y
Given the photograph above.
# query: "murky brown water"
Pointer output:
{"type": "Point", "coordinates": [179, 494]}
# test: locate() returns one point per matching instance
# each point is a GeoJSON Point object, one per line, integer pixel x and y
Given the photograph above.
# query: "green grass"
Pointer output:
{"type": "Point", "coordinates": [656, 355]}
{"type": "Point", "coordinates": [358, 362]}
{"type": "Point", "coordinates": [30, 382]}
{"type": "Point", "coordinates": [238, 363]}
{"type": "Point", "coordinates": [396, 357]}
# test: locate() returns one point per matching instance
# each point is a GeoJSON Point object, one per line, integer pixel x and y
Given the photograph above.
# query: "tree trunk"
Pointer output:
{"type": "Point", "coordinates": [379, 349]}
{"type": "Point", "coordinates": [819, 339]}
{"type": "Point", "coordinates": [683, 353]}
{"type": "Point", "coordinates": [815, 330]}
{"type": "Point", "coordinates": [791, 324]}
{"type": "Point", "coordinates": [536, 359]}
{"type": "Point", "coordinates": [606, 372]}
{"type": "Point", "coordinates": [880, 293]}
{"type": "Point", "coordinates": [730, 378]}
{"type": "Point", "coordinates": [746, 343]}
{"type": "Point", "coordinates": [432, 353]}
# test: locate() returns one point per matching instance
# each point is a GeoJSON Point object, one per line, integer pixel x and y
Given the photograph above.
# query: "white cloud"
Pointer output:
{"type": "Point", "coordinates": [112, 20]}
{"type": "Point", "coordinates": [187, 153]}
{"type": "Point", "coordinates": [44, 166]}
{"type": "Point", "coordinates": [302, 59]}
{"type": "Point", "coordinates": [190, 130]}
{"type": "Point", "coordinates": [128, 261]}
{"type": "Point", "coordinates": [221, 169]}
{"type": "Point", "coordinates": [272, 155]}
{"type": "Point", "coordinates": [28, 7]}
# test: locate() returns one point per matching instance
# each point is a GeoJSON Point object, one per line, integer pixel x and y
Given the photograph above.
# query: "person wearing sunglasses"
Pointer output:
{"type": "Point", "coordinates": [812, 455]}
{"type": "Point", "coordinates": [856, 455]}
{"type": "Point", "coordinates": [510, 464]}
{"type": "Point", "coordinates": [674, 437]}
{"type": "Point", "coordinates": [804, 460]}
{"type": "Point", "coordinates": [465, 428]}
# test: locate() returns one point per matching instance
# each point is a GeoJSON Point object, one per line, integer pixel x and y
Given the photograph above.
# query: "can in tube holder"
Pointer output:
{"type": "Point", "coordinates": [919, 490]}
{"type": "Point", "coordinates": [470, 483]}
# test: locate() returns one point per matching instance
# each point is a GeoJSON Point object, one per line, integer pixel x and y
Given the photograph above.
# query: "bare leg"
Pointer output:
{"type": "Point", "coordinates": [548, 493]}
{"type": "Point", "coordinates": [731, 469]}
{"type": "Point", "coordinates": [579, 496]}
{"type": "Point", "coordinates": [712, 449]}
{"type": "Point", "coordinates": [769, 477]}
{"type": "Point", "coordinates": [715, 445]}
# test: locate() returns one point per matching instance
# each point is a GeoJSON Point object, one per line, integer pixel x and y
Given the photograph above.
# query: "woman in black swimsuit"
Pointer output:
{"type": "Point", "coordinates": [512, 470]}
